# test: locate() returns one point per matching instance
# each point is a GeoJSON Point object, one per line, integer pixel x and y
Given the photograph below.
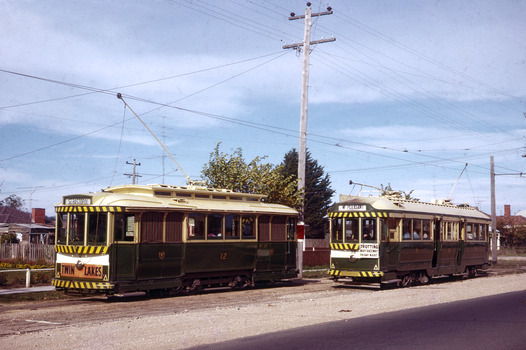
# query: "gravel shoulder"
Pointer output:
{"type": "Point", "coordinates": [179, 328]}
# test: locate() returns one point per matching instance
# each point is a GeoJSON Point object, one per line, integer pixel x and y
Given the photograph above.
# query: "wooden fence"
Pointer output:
{"type": "Point", "coordinates": [28, 252]}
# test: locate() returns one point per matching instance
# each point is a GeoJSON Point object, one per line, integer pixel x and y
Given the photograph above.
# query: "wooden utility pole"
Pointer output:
{"type": "Point", "coordinates": [303, 117]}
{"type": "Point", "coordinates": [493, 214]}
{"type": "Point", "coordinates": [134, 174]}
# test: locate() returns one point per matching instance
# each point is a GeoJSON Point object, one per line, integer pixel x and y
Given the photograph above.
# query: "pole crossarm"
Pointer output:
{"type": "Point", "coordinates": [314, 42]}
{"type": "Point", "coordinates": [293, 16]}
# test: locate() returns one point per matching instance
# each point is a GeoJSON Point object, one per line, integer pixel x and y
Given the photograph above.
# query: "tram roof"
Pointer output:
{"type": "Point", "coordinates": [194, 198]}
{"type": "Point", "coordinates": [396, 204]}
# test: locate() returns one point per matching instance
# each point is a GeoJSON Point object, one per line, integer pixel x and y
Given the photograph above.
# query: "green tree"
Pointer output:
{"type": "Point", "coordinates": [231, 171]}
{"type": "Point", "coordinates": [512, 230]}
{"type": "Point", "coordinates": [318, 192]}
{"type": "Point", "coordinates": [9, 238]}
{"type": "Point", "coordinates": [13, 201]}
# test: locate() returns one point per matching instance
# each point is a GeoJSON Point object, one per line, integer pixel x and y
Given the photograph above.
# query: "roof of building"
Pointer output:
{"type": "Point", "coordinates": [10, 215]}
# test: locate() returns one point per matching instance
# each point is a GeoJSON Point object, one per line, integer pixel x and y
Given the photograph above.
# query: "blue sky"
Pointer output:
{"type": "Point", "coordinates": [408, 93]}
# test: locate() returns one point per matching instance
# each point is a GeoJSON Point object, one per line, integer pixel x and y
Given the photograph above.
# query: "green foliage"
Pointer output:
{"type": "Point", "coordinates": [234, 173]}
{"type": "Point", "coordinates": [318, 192]}
{"type": "Point", "coordinates": [19, 263]}
{"type": "Point", "coordinates": [512, 230]}
{"type": "Point", "coordinates": [9, 238]}
{"type": "Point", "coordinates": [13, 201]}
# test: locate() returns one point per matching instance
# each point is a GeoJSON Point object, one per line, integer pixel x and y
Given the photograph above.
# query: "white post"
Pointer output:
{"type": "Point", "coordinates": [28, 277]}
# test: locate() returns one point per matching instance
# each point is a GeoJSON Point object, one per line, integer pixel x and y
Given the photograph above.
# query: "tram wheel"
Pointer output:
{"type": "Point", "coordinates": [407, 281]}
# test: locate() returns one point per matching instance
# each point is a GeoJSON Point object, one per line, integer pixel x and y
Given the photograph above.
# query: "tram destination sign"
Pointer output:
{"type": "Point", "coordinates": [352, 207]}
{"type": "Point", "coordinates": [77, 201]}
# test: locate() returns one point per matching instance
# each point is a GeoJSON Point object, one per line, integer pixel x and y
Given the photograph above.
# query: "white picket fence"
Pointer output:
{"type": "Point", "coordinates": [28, 252]}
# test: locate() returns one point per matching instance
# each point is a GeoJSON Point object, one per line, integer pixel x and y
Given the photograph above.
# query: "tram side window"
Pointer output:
{"type": "Point", "coordinates": [417, 229]}
{"type": "Point", "coordinates": [450, 231]}
{"type": "Point", "coordinates": [196, 226]}
{"type": "Point", "coordinates": [469, 232]}
{"type": "Point", "coordinates": [232, 226]}
{"type": "Point", "coordinates": [426, 229]}
{"type": "Point", "coordinates": [77, 228]}
{"type": "Point", "coordinates": [62, 228]}
{"type": "Point", "coordinates": [174, 227]}
{"type": "Point", "coordinates": [406, 229]}
{"type": "Point", "coordinates": [152, 227]}
{"type": "Point", "coordinates": [97, 228]}
{"type": "Point", "coordinates": [352, 230]}
{"type": "Point", "coordinates": [391, 226]}
{"type": "Point", "coordinates": [124, 227]}
{"type": "Point", "coordinates": [264, 228]}
{"type": "Point", "coordinates": [215, 226]}
{"type": "Point", "coordinates": [369, 229]}
{"type": "Point", "coordinates": [336, 230]}
{"type": "Point", "coordinates": [248, 227]}
{"type": "Point", "coordinates": [278, 228]}
{"type": "Point", "coordinates": [483, 232]}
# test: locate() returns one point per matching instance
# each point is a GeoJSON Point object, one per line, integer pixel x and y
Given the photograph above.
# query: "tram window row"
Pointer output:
{"type": "Point", "coordinates": [156, 227]}
{"type": "Point", "coordinates": [406, 229]}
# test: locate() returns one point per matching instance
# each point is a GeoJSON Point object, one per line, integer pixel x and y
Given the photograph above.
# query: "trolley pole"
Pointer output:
{"type": "Point", "coordinates": [303, 118]}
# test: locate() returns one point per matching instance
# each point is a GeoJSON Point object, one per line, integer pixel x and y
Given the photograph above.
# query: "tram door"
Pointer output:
{"type": "Point", "coordinates": [124, 248]}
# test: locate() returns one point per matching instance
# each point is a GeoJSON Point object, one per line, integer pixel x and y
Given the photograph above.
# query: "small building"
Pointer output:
{"type": "Point", "coordinates": [29, 228]}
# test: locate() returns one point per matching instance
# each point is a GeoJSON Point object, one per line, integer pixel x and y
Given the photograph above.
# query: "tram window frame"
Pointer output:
{"type": "Point", "coordinates": [214, 226]}
{"type": "Point", "coordinates": [248, 227]}
{"type": "Point", "coordinates": [152, 227]}
{"type": "Point", "coordinates": [352, 235]}
{"type": "Point", "coordinates": [392, 228]}
{"type": "Point", "coordinates": [76, 231]}
{"type": "Point", "coordinates": [426, 230]}
{"type": "Point", "coordinates": [99, 231]}
{"type": "Point", "coordinates": [372, 228]}
{"type": "Point", "coordinates": [232, 226]}
{"type": "Point", "coordinates": [124, 227]}
{"type": "Point", "coordinates": [483, 232]}
{"type": "Point", "coordinates": [173, 227]}
{"type": "Point", "coordinates": [407, 229]}
{"type": "Point", "coordinates": [417, 230]}
{"type": "Point", "coordinates": [337, 230]}
{"type": "Point", "coordinates": [62, 229]}
{"type": "Point", "coordinates": [469, 231]}
{"type": "Point", "coordinates": [196, 226]}
{"type": "Point", "coordinates": [278, 228]}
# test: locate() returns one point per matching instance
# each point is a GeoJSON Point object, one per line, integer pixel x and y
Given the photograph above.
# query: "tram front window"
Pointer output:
{"type": "Point", "coordinates": [97, 228]}
{"type": "Point", "coordinates": [62, 228]}
{"type": "Point", "coordinates": [336, 230]}
{"type": "Point", "coordinates": [77, 228]}
{"type": "Point", "coordinates": [352, 230]}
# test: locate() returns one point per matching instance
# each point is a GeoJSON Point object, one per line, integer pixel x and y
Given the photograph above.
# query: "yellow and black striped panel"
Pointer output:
{"type": "Point", "coordinates": [75, 249]}
{"type": "Point", "coordinates": [82, 285]}
{"type": "Point", "coordinates": [345, 273]}
{"type": "Point", "coordinates": [88, 209]}
{"type": "Point", "coordinates": [358, 214]}
{"type": "Point", "coordinates": [345, 246]}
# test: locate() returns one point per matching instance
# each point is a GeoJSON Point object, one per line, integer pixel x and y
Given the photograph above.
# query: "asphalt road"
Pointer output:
{"type": "Point", "coordinates": [495, 322]}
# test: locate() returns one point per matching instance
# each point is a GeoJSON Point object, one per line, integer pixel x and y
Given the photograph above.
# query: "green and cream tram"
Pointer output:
{"type": "Point", "coordinates": [391, 240]}
{"type": "Point", "coordinates": [159, 237]}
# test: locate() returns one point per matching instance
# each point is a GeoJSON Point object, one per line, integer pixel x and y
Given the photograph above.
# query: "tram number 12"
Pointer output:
{"type": "Point", "coordinates": [222, 256]}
